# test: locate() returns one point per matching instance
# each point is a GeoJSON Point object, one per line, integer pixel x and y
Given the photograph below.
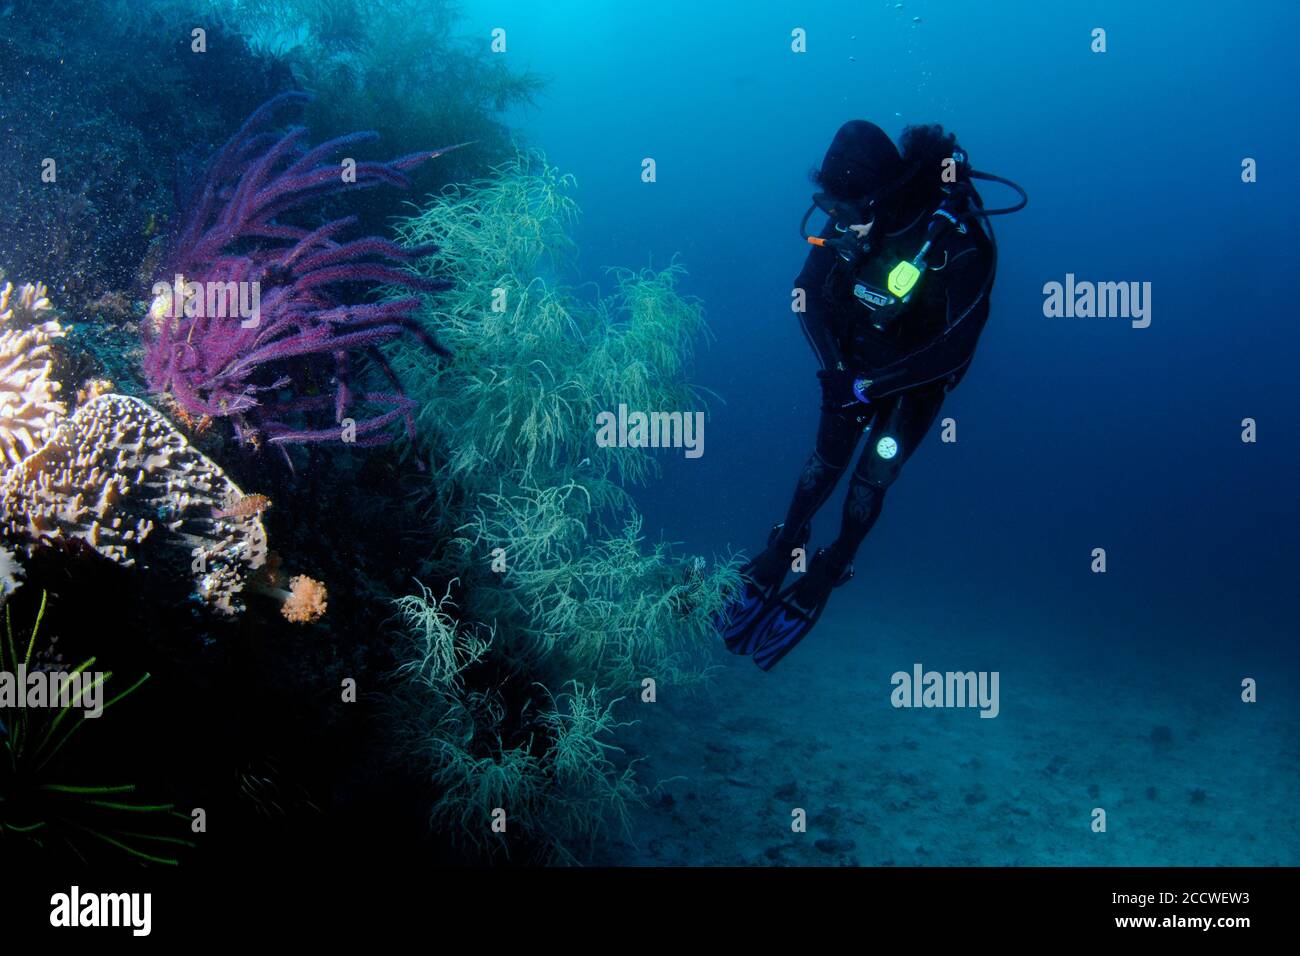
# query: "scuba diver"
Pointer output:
{"type": "Point", "coordinates": [896, 293]}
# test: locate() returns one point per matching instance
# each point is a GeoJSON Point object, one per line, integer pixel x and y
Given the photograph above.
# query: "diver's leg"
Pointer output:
{"type": "Point", "coordinates": [898, 429]}
{"type": "Point", "coordinates": [837, 438]}
{"type": "Point", "coordinates": [903, 420]}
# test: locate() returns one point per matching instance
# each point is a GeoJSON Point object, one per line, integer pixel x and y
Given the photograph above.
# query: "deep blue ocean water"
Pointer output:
{"type": "Point", "coordinates": [1073, 433]}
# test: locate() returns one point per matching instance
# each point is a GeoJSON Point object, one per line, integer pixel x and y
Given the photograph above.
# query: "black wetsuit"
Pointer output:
{"type": "Point", "coordinates": [912, 364]}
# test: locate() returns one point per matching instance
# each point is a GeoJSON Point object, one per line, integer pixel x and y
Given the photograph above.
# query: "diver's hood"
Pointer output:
{"type": "Point", "coordinates": [859, 160]}
{"type": "Point", "coordinates": [864, 175]}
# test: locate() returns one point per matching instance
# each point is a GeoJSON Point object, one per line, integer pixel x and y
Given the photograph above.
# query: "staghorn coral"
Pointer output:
{"type": "Point", "coordinates": [268, 372]}
{"type": "Point", "coordinates": [119, 477]}
{"type": "Point", "coordinates": [28, 308]}
{"type": "Point", "coordinates": [29, 407]}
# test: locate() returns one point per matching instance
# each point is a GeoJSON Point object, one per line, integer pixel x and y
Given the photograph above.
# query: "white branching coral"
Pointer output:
{"type": "Point", "coordinates": [119, 477]}
{"type": "Point", "coordinates": [11, 575]}
{"type": "Point", "coordinates": [29, 406]}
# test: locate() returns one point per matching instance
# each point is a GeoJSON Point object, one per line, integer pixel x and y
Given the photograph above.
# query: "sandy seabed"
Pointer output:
{"type": "Point", "coordinates": [1187, 774]}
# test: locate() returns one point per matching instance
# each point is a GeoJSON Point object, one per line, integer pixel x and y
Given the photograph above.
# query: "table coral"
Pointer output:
{"type": "Point", "coordinates": [119, 477]}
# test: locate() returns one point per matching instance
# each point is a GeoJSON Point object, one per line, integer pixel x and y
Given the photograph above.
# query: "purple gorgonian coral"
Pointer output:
{"type": "Point", "coordinates": [263, 311]}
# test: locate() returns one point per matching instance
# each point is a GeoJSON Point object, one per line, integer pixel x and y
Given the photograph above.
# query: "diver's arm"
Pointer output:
{"type": "Point", "coordinates": [968, 310]}
{"type": "Point", "coordinates": [816, 328]}
{"type": "Point", "coordinates": [815, 317]}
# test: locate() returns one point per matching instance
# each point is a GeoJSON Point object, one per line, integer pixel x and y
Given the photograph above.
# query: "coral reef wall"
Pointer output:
{"type": "Point", "coordinates": [502, 678]}
{"type": "Point", "coordinates": [546, 579]}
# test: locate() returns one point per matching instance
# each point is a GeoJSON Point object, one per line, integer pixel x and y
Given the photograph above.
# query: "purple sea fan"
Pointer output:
{"type": "Point", "coordinates": [257, 318]}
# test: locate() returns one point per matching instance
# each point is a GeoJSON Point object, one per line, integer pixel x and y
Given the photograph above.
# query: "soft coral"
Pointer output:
{"type": "Point", "coordinates": [265, 377]}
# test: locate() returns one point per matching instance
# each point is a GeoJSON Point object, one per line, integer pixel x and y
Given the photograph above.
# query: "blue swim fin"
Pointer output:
{"type": "Point", "coordinates": [737, 620]}
{"type": "Point", "coordinates": [795, 612]}
{"type": "Point", "coordinates": [737, 624]}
